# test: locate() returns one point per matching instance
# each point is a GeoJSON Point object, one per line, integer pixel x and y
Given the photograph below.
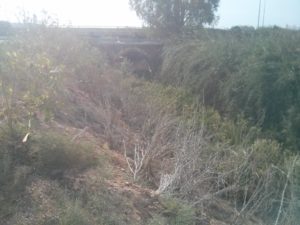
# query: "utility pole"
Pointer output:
{"type": "Point", "coordinates": [259, 10]}
{"type": "Point", "coordinates": [264, 13]}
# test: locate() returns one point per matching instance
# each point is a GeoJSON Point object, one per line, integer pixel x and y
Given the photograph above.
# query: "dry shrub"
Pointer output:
{"type": "Point", "coordinates": [246, 175]}
{"type": "Point", "coordinates": [288, 210]}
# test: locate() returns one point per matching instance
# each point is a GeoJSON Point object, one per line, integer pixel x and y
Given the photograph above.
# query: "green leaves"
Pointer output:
{"type": "Point", "coordinates": [174, 15]}
{"type": "Point", "coordinates": [26, 81]}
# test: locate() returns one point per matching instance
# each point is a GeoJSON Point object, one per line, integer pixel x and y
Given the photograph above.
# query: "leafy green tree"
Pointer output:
{"type": "Point", "coordinates": [174, 15]}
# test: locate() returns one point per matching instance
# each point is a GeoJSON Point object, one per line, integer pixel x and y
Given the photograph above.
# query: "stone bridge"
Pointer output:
{"type": "Point", "coordinates": [134, 44]}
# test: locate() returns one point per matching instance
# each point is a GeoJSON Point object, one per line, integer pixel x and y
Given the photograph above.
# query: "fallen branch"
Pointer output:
{"type": "Point", "coordinates": [291, 169]}
{"type": "Point", "coordinates": [220, 192]}
{"type": "Point", "coordinates": [79, 134]}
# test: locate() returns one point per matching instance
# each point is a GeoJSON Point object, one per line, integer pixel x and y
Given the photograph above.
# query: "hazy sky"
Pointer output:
{"type": "Point", "coordinates": [117, 12]}
{"type": "Point", "coordinates": [245, 12]}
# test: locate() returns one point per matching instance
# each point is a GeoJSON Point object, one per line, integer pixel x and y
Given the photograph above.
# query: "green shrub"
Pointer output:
{"type": "Point", "coordinates": [175, 213]}
{"type": "Point", "coordinates": [105, 206]}
{"type": "Point", "coordinates": [158, 220]}
{"type": "Point", "coordinates": [45, 152]}
{"type": "Point", "coordinates": [55, 153]}
{"type": "Point", "coordinates": [14, 169]}
{"type": "Point", "coordinates": [265, 153]}
{"type": "Point", "coordinates": [41, 68]}
{"type": "Point", "coordinates": [74, 214]}
{"type": "Point", "coordinates": [254, 75]}
{"type": "Point", "coordinates": [12, 152]}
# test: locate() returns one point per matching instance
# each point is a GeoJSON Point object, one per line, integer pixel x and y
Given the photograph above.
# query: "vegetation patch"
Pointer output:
{"type": "Point", "coordinates": [250, 72]}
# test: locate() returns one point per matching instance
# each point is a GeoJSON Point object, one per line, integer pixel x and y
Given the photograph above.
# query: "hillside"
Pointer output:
{"type": "Point", "coordinates": [86, 139]}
